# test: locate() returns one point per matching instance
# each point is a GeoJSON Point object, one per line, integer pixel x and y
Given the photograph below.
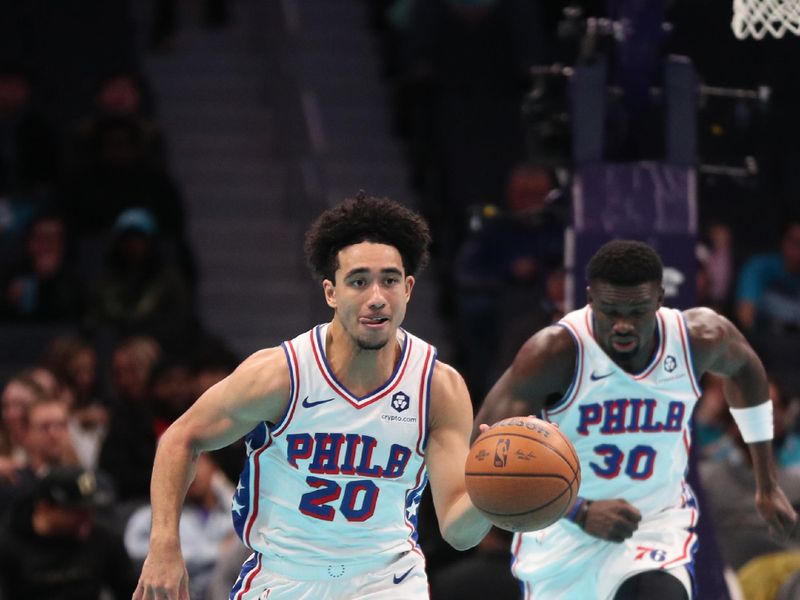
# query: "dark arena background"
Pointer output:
{"type": "Point", "coordinates": [161, 159]}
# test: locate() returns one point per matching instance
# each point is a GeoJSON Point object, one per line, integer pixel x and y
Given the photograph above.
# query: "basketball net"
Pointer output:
{"type": "Point", "coordinates": [757, 18]}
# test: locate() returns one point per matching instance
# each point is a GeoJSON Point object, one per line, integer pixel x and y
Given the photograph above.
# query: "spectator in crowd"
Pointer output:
{"type": "Point", "coordinates": [744, 538]}
{"type": "Point", "coordinates": [51, 383]}
{"type": "Point", "coordinates": [141, 291]}
{"type": "Point", "coordinates": [509, 263]}
{"type": "Point", "coordinates": [468, 63]}
{"type": "Point", "coordinates": [768, 295]}
{"type": "Point", "coordinates": [20, 392]}
{"type": "Point", "coordinates": [768, 306]}
{"type": "Point", "coordinates": [50, 547]}
{"type": "Point", "coordinates": [29, 149]}
{"type": "Point", "coordinates": [171, 391]}
{"type": "Point", "coordinates": [711, 421]}
{"type": "Point", "coordinates": [116, 172]}
{"type": "Point", "coordinates": [45, 286]}
{"type": "Point", "coordinates": [130, 446]}
{"type": "Point", "coordinates": [529, 313]}
{"type": "Point", "coordinates": [74, 360]}
{"type": "Point", "coordinates": [205, 526]}
{"type": "Point", "coordinates": [125, 93]}
{"type": "Point", "coordinates": [47, 440]}
{"type": "Point", "coordinates": [46, 444]}
{"type": "Point", "coordinates": [28, 142]}
{"type": "Point", "coordinates": [715, 269]}
{"type": "Point", "coordinates": [122, 94]}
{"type": "Point", "coordinates": [211, 362]}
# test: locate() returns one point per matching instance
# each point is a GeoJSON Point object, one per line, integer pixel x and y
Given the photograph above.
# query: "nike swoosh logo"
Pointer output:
{"type": "Point", "coordinates": [595, 377]}
{"type": "Point", "coordinates": [308, 404]}
{"type": "Point", "coordinates": [397, 579]}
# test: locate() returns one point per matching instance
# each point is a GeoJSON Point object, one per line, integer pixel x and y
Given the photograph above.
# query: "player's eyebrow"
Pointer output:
{"type": "Point", "coordinates": [640, 304]}
{"type": "Point", "coordinates": [362, 270]}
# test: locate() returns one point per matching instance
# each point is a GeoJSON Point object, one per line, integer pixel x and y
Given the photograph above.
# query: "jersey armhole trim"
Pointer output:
{"type": "Point", "coordinates": [294, 389]}
{"type": "Point", "coordinates": [425, 399]}
{"type": "Point", "coordinates": [683, 328]}
{"type": "Point", "coordinates": [577, 375]}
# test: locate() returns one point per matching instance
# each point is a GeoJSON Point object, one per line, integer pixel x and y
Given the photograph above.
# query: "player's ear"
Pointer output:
{"type": "Point", "coordinates": [410, 281]}
{"type": "Point", "coordinates": [660, 296]}
{"type": "Point", "coordinates": [329, 288]}
{"type": "Point", "coordinates": [588, 294]}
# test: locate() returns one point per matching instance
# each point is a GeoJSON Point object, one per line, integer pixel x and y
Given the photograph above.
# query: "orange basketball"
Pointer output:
{"type": "Point", "coordinates": [523, 474]}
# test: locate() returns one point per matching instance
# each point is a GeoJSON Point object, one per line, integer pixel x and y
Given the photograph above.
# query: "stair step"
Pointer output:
{"type": "Point", "coordinates": [324, 66]}
{"type": "Point", "coordinates": [258, 172]}
{"type": "Point", "coordinates": [214, 118]}
{"type": "Point", "coordinates": [348, 16]}
{"type": "Point", "coordinates": [191, 144]}
{"type": "Point", "coordinates": [203, 84]}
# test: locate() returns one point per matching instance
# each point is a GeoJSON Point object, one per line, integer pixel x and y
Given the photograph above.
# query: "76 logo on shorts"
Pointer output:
{"type": "Point", "coordinates": [656, 554]}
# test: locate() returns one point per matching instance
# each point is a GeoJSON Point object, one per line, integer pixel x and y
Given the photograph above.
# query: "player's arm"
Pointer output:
{"type": "Point", "coordinates": [721, 349]}
{"type": "Point", "coordinates": [450, 421]}
{"type": "Point", "coordinates": [256, 391]}
{"type": "Point", "coordinates": [542, 368]}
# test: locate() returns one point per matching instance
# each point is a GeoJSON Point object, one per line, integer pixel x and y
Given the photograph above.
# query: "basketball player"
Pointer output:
{"type": "Point", "coordinates": [620, 377]}
{"type": "Point", "coordinates": [343, 425]}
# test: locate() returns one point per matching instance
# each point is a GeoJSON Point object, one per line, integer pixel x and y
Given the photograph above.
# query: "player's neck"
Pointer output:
{"type": "Point", "coordinates": [360, 371]}
{"type": "Point", "coordinates": [638, 362]}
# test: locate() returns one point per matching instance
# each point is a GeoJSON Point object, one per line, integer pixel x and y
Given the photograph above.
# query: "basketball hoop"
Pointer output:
{"type": "Point", "coordinates": [757, 18]}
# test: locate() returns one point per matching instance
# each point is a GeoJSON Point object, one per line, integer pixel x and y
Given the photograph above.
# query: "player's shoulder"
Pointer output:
{"type": "Point", "coordinates": [705, 325]}
{"type": "Point", "coordinates": [553, 345]}
{"type": "Point", "coordinates": [446, 380]}
{"type": "Point", "coordinates": [264, 358]}
{"type": "Point", "coordinates": [262, 373]}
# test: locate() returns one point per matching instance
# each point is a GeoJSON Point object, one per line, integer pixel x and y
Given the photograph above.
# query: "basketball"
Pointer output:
{"type": "Point", "coordinates": [523, 474]}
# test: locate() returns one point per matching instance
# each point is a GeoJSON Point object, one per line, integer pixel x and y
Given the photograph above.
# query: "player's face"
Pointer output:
{"type": "Point", "coordinates": [370, 293]}
{"type": "Point", "coordinates": [625, 318]}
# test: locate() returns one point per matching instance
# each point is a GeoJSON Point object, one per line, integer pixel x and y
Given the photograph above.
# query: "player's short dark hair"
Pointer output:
{"type": "Point", "coordinates": [625, 262]}
{"type": "Point", "coordinates": [366, 219]}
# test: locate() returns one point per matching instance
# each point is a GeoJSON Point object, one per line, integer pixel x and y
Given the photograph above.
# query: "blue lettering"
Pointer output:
{"type": "Point", "coordinates": [649, 415]}
{"type": "Point", "coordinates": [298, 445]}
{"type": "Point", "coordinates": [352, 440]}
{"type": "Point", "coordinates": [364, 468]}
{"type": "Point", "coordinates": [398, 459]}
{"type": "Point", "coordinates": [590, 415]}
{"type": "Point", "coordinates": [614, 421]}
{"type": "Point", "coordinates": [326, 453]}
{"type": "Point", "coordinates": [675, 412]}
{"type": "Point", "coordinates": [636, 409]}
{"type": "Point", "coordinates": [345, 454]}
{"type": "Point", "coordinates": [631, 415]}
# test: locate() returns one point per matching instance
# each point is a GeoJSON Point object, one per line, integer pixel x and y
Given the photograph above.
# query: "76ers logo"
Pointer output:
{"type": "Point", "coordinates": [400, 401]}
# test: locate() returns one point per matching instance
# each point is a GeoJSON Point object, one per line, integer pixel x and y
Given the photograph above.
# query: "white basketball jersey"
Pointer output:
{"type": "Point", "coordinates": [631, 431]}
{"type": "Point", "coordinates": [338, 476]}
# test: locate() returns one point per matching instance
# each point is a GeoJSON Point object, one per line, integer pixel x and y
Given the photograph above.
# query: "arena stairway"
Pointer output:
{"type": "Point", "coordinates": [268, 121]}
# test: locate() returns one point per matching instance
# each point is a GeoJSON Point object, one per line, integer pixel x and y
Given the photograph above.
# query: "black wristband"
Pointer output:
{"type": "Point", "coordinates": [580, 518]}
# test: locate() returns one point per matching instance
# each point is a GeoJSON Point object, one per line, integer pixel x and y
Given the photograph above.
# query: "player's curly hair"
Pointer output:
{"type": "Point", "coordinates": [625, 262]}
{"type": "Point", "coordinates": [366, 219]}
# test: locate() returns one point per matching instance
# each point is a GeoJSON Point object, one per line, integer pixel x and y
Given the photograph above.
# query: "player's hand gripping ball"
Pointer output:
{"type": "Point", "coordinates": [523, 474]}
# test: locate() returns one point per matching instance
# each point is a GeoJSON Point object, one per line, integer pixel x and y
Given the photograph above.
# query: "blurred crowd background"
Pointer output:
{"type": "Point", "coordinates": [160, 160]}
